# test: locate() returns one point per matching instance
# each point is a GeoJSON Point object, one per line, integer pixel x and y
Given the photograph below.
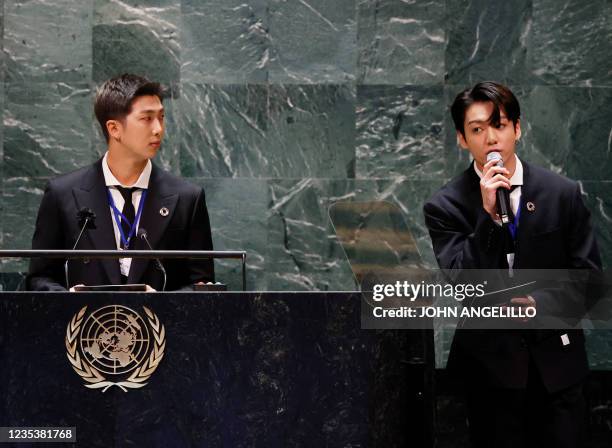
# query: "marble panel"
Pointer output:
{"type": "Point", "coordinates": [568, 130]}
{"type": "Point", "coordinates": [599, 345]}
{"type": "Point", "coordinates": [312, 41]}
{"type": "Point", "coordinates": [488, 41]}
{"type": "Point", "coordinates": [400, 132]}
{"type": "Point", "coordinates": [20, 201]}
{"type": "Point", "coordinates": [312, 131]}
{"type": "Point", "coordinates": [224, 41]}
{"type": "Point", "coordinates": [48, 41]}
{"type": "Point", "coordinates": [597, 196]}
{"type": "Point", "coordinates": [129, 36]}
{"type": "Point", "coordinates": [281, 131]}
{"type": "Point", "coordinates": [222, 130]}
{"type": "Point", "coordinates": [304, 251]}
{"type": "Point", "coordinates": [400, 42]}
{"type": "Point", "coordinates": [571, 42]}
{"type": "Point", "coordinates": [47, 129]}
{"type": "Point", "coordinates": [238, 214]}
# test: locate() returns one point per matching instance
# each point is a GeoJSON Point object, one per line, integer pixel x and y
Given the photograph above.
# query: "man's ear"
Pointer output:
{"type": "Point", "coordinates": [517, 130]}
{"type": "Point", "coordinates": [461, 140]}
{"type": "Point", "coordinates": [114, 129]}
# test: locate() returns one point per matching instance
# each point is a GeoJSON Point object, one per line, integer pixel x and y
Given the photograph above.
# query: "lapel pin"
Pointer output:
{"type": "Point", "coordinates": [531, 206]}
{"type": "Point", "coordinates": [164, 211]}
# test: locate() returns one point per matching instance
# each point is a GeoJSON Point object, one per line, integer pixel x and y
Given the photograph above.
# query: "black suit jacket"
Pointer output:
{"type": "Point", "coordinates": [558, 234]}
{"type": "Point", "coordinates": [186, 227]}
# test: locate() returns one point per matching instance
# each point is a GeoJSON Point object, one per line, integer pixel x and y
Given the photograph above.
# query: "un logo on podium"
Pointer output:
{"type": "Point", "coordinates": [115, 346]}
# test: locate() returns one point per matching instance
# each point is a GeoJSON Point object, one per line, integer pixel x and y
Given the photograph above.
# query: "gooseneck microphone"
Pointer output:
{"type": "Point", "coordinates": [142, 234]}
{"type": "Point", "coordinates": [503, 196]}
{"type": "Point", "coordinates": [86, 219]}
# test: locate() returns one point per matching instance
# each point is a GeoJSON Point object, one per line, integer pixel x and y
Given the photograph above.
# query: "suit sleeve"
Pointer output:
{"type": "Point", "coordinates": [47, 274]}
{"type": "Point", "coordinates": [580, 287]}
{"type": "Point", "coordinates": [200, 270]}
{"type": "Point", "coordinates": [456, 245]}
{"type": "Point", "coordinates": [583, 248]}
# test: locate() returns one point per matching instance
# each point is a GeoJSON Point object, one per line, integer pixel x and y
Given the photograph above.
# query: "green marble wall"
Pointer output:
{"type": "Point", "coordinates": [281, 107]}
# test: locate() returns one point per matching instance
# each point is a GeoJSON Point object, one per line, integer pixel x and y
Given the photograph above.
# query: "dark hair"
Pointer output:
{"type": "Point", "coordinates": [114, 98]}
{"type": "Point", "coordinates": [487, 91]}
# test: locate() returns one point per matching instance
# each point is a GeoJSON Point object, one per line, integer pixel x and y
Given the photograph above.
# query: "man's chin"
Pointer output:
{"type": "Point", "coordinates": [151, 151]}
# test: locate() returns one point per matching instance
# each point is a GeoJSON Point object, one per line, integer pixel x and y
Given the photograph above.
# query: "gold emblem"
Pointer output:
{"type": "Point", "coordinates": [115, 346]}
{"type": "Point", "coordinates": [164, 211]}
{"type": "Point", "coordinates": [531, 206]}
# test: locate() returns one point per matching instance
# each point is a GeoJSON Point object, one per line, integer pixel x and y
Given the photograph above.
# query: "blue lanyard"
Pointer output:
{"type": "Point", "coordinates": [513, 226]}
{"type": "Point", "coordinates": [117, 214]}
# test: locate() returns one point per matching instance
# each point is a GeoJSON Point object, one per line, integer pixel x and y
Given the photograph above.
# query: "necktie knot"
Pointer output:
{"type": "Point", "coordinates": [127, 192]}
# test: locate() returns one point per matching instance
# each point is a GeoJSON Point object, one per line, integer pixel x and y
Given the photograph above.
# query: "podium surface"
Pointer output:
{"type": "Point", "coordinates": [230, 370]}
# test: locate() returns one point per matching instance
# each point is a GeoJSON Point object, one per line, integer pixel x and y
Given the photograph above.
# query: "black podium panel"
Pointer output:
{"type": "Point", "coordinates": [238, 370]}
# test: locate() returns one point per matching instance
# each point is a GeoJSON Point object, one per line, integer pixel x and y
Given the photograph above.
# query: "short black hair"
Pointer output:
{"type": "Point", "coordinates": [114, 98]}
{"type": "Point", "coordinates": [487, 91]}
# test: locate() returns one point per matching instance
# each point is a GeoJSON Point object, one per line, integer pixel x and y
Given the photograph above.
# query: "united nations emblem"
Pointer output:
{"type": "Point", "coordinates": [115, 346]}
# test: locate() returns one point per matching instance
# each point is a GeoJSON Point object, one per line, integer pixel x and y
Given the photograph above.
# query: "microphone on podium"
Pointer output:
{"type": "Point", "coordinates": [86, 219]}
{"type": "Point", "coordinates": [142, 234]}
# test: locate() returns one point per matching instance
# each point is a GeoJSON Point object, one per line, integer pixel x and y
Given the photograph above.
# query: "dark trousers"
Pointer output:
{"type": "Point", "coordinates": [530, 418]}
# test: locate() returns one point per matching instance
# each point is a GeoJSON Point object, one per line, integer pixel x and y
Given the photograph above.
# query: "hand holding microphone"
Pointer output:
{"type": "Point", "coordinates": [495, 187]}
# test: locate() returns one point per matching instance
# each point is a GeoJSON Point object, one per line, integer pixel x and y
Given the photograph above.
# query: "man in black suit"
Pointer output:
{"type": "Point", "coordinates": [127, 192]}
{"type": "Point", "coordinates": [524, 387]}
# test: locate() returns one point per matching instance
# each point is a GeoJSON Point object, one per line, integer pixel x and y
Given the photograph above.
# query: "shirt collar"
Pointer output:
{"type": "Point", "coordinates": [517, 177]}
{"type": "Point", "coordinates": [111, 180]}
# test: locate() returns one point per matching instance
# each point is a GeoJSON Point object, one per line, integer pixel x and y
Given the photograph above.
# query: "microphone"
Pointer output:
{"type": "Point", "coordinates": [86, 219]}
{"type": "Point", "coordinates": [142, 234]}
{"type": "Point", "coordinates": [503, 196]}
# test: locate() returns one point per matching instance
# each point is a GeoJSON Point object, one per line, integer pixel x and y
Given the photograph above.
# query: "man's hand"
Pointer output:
{"type": "Point", "coordinates": [493, 177]}
{"type": "Point", "coordinates": [72, 288]}
{"type": "Point", "coordinates": [523, 303]}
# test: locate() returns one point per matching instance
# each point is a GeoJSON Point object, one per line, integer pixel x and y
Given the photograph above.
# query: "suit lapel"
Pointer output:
{"type": "Point", "coordinates": [158, 198]}
{"type": "Point", "coordinates": [527, 217]}
{"type": "Point", "coordinates": [475, 196]}
{"type": "Point", "coordinates": [93, 194]}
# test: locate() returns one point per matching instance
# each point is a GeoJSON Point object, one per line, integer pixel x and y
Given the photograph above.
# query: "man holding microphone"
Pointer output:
{"type": "Point", "coordinates": [524, 388]}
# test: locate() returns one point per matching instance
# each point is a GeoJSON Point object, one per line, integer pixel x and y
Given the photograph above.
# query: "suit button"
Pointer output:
{"type": "Point", "coordinates": [523, 343]}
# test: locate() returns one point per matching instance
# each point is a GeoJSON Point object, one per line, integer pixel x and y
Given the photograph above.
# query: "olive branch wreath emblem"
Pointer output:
{"type": "Point", "coordinates": [91, 375]}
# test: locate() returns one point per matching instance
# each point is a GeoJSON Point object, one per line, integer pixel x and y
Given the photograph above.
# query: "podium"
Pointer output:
{"type": "Point", "coordinates": [236, 369]}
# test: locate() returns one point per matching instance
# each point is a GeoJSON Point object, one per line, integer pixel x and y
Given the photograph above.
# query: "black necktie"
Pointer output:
{"type": "Point", "coordinates": [511, 211]}
{"type": "Point", "coordinates": [128, 211]}
{"type": "Point", "coordinates": [509, 240]}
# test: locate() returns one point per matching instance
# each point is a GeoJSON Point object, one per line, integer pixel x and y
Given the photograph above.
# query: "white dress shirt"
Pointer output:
{"type": "Point", "coordinates": [111, 182]}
